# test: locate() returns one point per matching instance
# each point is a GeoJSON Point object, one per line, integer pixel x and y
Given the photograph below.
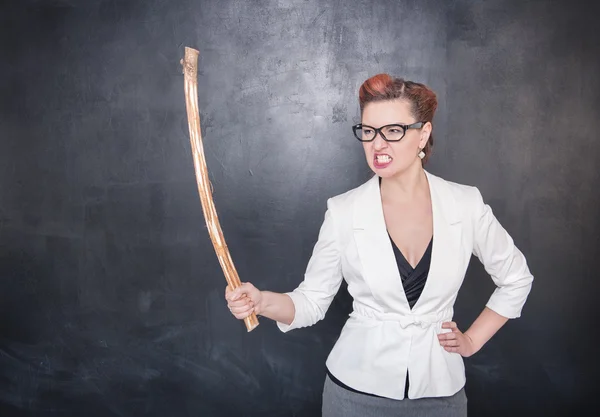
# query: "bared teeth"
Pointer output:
{"type": "Point", "coordinates": [382, 159]}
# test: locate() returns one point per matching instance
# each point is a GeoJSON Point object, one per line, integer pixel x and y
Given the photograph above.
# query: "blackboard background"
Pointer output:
{"type": "Point", "coordinates": [111, 298]}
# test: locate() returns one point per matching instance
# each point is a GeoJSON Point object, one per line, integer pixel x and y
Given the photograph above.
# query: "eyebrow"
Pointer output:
{"type": "Point", "coordinates": [387, 124]}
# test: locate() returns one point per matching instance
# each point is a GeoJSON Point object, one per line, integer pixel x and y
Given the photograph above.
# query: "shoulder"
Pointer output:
{"type": "Point", "coordinates": [341, 207]}
{"type": "Point", "coordinates": [347, 199]}
{"type": "Point", "coordinates": [461, 193]}
{"type": "Point", "coordinates": [460, 201]}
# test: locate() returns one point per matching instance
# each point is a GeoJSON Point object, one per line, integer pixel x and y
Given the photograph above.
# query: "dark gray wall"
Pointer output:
{"type": "Point", "coordinates": [111, 297]}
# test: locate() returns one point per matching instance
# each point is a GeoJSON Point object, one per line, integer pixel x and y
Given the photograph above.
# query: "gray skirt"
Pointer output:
{"type": "Point", "coordinates": [338, 402]}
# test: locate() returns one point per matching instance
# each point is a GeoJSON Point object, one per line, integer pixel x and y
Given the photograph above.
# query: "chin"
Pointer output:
{"type": "Point", "coordinates": [389, 172]}
{"type": "Point", "coordinates": [385, 172]}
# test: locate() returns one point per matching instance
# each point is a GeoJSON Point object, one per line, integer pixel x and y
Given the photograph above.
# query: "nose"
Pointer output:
{"type": "Point", "coordinates": [379, 142]}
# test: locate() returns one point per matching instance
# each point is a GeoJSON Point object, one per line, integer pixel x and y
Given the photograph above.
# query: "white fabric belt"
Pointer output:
{"type": "Point", "coordinates": [405, 320]}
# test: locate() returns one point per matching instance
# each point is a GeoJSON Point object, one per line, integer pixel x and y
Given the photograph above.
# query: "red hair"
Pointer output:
{"type": "Point", "coordinates": [383, 87]}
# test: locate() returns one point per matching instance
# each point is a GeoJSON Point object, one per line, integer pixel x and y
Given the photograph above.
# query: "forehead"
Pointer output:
{"type": "Point", "coordinates": [381, 113]}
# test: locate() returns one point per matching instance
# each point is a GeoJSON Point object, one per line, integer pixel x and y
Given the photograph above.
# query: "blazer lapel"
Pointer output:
{"type": "Point", "coordinates": [375, 249]}
{"type": "Point", "coordinates": [377, 256]}
{"type": "Point", "coordinates": [445, 254]}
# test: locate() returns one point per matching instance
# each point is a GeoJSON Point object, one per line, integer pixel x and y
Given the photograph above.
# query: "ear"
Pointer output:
{"type": "Point", "coordinates": [425, 133]}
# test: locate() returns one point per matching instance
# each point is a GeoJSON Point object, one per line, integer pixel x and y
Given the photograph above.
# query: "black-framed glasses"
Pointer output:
{"type": "Point", "coordinates": [389, 133]}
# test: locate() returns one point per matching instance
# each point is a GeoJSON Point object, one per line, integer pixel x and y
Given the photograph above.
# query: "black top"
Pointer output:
{"type": "Point", "coordinates": [413, 282]}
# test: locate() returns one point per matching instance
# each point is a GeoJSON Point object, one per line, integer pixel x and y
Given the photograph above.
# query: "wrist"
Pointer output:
{"type": "Point", "coordinates": [476, 345]}
{"type": "Point", "coordinates": [263, 305]}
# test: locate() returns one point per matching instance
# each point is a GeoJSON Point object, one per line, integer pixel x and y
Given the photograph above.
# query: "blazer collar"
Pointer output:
{"type": "Point", "coordinates": [376, 252]}
{"type": "Point", "coordinates": [368, 210]}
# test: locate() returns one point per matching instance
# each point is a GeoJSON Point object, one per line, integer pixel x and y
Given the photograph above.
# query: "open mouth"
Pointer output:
{"type": "Point", "coordinates": [382, 160]}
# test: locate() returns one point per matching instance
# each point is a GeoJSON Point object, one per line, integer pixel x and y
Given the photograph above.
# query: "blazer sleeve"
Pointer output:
{"type": "Point", "coordinates": [322, 278]}
{"type": "Point", "coordinates": [502, 260]}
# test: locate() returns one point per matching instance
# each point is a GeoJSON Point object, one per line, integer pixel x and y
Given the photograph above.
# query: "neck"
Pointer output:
{"type": "Point", "coordinates": [405, 186]}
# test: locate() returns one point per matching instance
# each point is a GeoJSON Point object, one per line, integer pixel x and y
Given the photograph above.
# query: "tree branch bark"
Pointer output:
{"type": "Point", "coordinates": [190, 70]}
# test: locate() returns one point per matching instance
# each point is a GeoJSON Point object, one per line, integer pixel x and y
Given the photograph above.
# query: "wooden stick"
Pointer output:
{"type": "Point", "coordinates": [190, 70]}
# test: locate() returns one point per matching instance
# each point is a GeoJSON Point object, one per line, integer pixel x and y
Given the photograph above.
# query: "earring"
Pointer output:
{"type": "Point", "coordinates": [421, 154]}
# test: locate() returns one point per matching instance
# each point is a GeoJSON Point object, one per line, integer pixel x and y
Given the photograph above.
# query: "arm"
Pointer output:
{"type": "Point", "coordinates": [247, 299]}
{"type": "Point", "coordinates": [469, 342]}
{"type": "Point", "coordinates": [508, 269]}
{"type": "Point", "coordinates": [278, 307]}
{"type": "Point", "coordinates": [322, 278]}
{"type": "Point", "coordinates": [308, 303]}
{"type": "Point", "coordinates": [502, 260]}
{"type": "Point", "coordinates": [484, 327]}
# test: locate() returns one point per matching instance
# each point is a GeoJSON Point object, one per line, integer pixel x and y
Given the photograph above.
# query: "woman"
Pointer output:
{"type": "Point", "coordinates": [402, 241]}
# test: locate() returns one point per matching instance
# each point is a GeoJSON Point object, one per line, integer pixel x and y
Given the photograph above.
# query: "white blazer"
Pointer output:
{"type": "Point", "coordinates": [383, 337]}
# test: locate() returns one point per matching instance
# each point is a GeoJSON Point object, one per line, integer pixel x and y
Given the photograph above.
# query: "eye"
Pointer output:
{"type": "Point", "coordinates": [395, 130]}
{"type": "Point", "coordinates": [367, 131]}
